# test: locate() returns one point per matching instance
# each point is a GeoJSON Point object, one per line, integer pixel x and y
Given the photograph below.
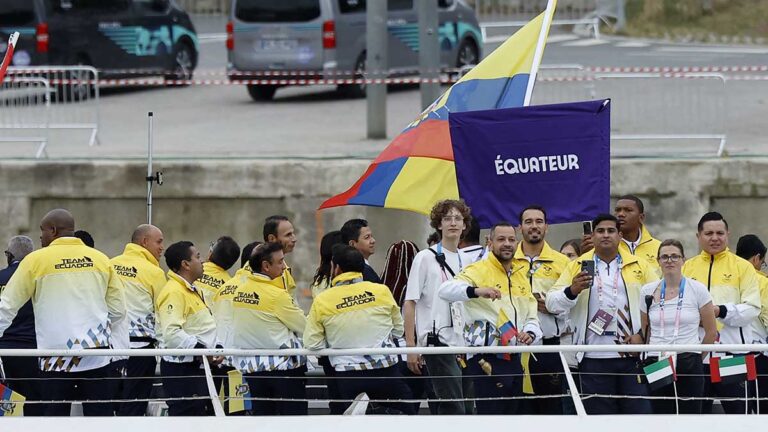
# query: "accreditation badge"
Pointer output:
{"type": "Point", "coordinates": [600, 321]}
{"type": "Point", "coordinates": [457, 319]}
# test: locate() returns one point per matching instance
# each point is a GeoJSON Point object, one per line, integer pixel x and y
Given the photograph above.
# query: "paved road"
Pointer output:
{"type": "Point", "coordinates": [221, 121]}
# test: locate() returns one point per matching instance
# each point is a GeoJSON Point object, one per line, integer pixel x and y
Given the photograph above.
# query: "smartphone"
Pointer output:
{"type": "Point", "coordinates": [589, 267]}
{"type": "Point", "coordinates": [587, 226]}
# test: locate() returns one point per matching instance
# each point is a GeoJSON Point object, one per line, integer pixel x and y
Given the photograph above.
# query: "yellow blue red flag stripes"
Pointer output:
{"type": "Point", "coordinates": [11, 403]}
{"type": "Point", "coordinates": [417, 168]}
{"type": "Point", "coordinates": [239, 392]}
{"type": "Point", "coordinates": [507, 332]}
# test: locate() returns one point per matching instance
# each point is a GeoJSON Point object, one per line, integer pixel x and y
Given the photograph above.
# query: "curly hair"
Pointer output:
{"type": "Point", "coordinates": [443, 207]}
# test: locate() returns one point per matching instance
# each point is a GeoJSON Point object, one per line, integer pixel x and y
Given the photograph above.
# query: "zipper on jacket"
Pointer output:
{"type": "Point", "coordinates": [741, 333]}
{"type": "Point", "coordinates": [709, 275]}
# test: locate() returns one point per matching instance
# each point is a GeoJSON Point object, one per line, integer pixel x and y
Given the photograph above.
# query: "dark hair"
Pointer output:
{"type": "Point", "coordinates": [323, 272]}
{"type": "Point", "coordinates": [225, 252]}
{"type": "Point", "coordinates": [433, 238]}
{"type": "Point", "coordinates": [263, 252]}
{"type": "Point", "coordinates": [397, 268]}
{"type": "Point", "coordinates": [178, 252]}
{"type": "Point", "coordinates": [348, 258]}
{"type": "Point", "coordinates": [442, 208]}
{"type": "Point", "coordinates": [709, 217]}
{"type": "Point", "coordinates": [750, 245]}
{"type": "Point", "coordinates": [500, 224]}
{"type": "Point", "coordinates": [247, 251]}
{"type": "Point", "coordinates": [671, 242]}
{"type": "Point", "coordinates": [605, 217]}
{"type": "Point", "coordinates": [85, 236]}
{"type": "Point", "coordinates": [472, 234]}
{"type": "Point", "coordinates": [574, 243]}
{"type": "Point", "coordinates": [635, 199]}
{"type": "Point", "coordinates": [351, 229]}
{"type": "Point", "coordinates": [270, 225]}
{"type": "Point", "coordinates": [533, 207]}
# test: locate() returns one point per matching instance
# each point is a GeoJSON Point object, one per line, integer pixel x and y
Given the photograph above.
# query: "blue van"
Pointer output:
{"type": "Point", "coordinates": [325, 39]}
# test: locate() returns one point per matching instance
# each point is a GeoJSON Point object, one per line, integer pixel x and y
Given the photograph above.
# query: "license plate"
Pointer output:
{"type": "Point", "coordinates": [278, 44]}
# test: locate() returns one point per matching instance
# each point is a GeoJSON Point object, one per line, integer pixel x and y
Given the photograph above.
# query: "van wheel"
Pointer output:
{"type": "Point", "coordinates": [261, 93]}
{"type": "Point", "coordinates": [183, 64]}
{"type": "Point", "coordinates": [468, 54]}
{"type": "Point", "coordinates": [355, 91]}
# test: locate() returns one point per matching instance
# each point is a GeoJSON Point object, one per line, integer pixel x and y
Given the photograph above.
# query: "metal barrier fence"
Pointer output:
{"type": "Point", "coordinates": [25, 106]}
{"type": "Point", "coordinates": [72, 102]}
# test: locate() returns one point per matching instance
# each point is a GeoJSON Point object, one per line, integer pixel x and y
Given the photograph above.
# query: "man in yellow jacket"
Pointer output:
{"type": "Point", "coordinates": [184, 322]}
{"type": "Point", "coordinates": [353, 313]}
{"type": "Point", "coordinates": [734, 287]}
{"type": "Point", "coordinates": [266, 317]}
{"type": "Point", "coordinates": [223, 255]}
{"type": "Point", "coordinates": [278, 228]}
{"type": "Point", "coordinates": [76, 296]}
{"type": "Point", "coordinates": [499, 309]}
{"type": "Point", "coordinates": [635, 237]}
{"type": "Point", "coordinates": [604, 310]}
{"type": "Point", "coordinates": [139, 270]}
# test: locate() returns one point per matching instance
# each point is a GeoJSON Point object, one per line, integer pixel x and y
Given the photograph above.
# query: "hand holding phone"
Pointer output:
{"type": "Point", "coordinates": [589, 267]}
{"type": "Point", "coordinates": [587, 227]}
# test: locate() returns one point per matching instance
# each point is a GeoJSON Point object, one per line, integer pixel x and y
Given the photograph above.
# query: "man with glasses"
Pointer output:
{"type": "Point", "coordinates": [22, 371]}
{"type": "Point", "coordinates": [735, 293]}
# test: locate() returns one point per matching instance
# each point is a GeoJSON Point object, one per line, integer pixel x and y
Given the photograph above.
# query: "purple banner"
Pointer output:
{"type": "Point", "coordinates": [556, 156]}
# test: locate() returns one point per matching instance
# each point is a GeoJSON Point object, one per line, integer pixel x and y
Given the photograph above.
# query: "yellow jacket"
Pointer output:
{"type": "Point", "coordinates": [184, 319]}
{"type": "Point", "coordinates": [265, 316]}
{"type": "Point", "coordinates": [354, 314]}
{"type": "Point", "coordinates": [542, 273]}
{"type": "Point", "coordinates": [222, 306]}
{"type": "Point", "coordinates": [482, 315]}
{"type": "Point", "coordinates": [76, 295]}
{"type": "Point", "coordinates": [635, 273]}
{"type": "Point", "coordinates": [647, 249]}
{"type": "Point", "coordinates": [733, 283]}
{"type": "Point", "coordinates": [760, 325]}
{"type": "Point", "coordinates": [211, 281]}
{"type": "Point", "coordinates": [142, 281]}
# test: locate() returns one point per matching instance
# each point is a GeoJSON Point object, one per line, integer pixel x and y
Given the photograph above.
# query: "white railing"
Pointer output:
{"type": "Point", "coordinates": [25, 106]}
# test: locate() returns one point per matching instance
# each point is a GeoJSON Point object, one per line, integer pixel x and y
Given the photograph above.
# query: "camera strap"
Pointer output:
{"type": "Point", "coordinates": [440, 257]}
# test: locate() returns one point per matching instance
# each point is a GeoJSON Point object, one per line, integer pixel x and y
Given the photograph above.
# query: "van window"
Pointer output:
{"type": "Point", "coordinates": [394, 5]}
{"type": "Point", "coordinates": [106, 5]}
{"type": "Point", "coordinates": [274, 11]}
{"type": "Point", "coordinates": [17, 13]}
{"type": "Point", "coordinates": [350, 6]}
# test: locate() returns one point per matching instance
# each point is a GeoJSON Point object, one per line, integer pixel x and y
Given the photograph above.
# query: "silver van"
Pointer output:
{"type": "Point", "coordinates": [325, 39]}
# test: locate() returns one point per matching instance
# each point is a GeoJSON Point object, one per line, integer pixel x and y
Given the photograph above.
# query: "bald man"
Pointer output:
{"type": "Point", "coordinates": [139, 269]}
{"type": "Point", "coordinates": [76, 296]}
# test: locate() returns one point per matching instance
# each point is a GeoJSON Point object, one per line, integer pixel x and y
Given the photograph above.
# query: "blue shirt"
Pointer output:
{"type": "Point", "coordinates": [21, 333]}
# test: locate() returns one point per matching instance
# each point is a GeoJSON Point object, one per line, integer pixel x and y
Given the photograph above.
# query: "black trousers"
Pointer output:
{"type": "Point", "coordinates": [384, 383]}
{"type": "Point", "coordinates": [613, 376]}
{"type": "Point", "coordinates": [690, 383]}
{"type": "Point", "coordinates": [761, 364]}
{"type": "Point", "coordinates": [185, 380]}
{"type": "Point", "coordinates": [22, 375]}
{"type": "Point", "coordinates": [332, 384]}
{"type": "Point", "coordinates": [140, 376]}
{"type": "Point", "coordinates": [547, 379]}
{"type": "Point", "coordinates": [82, 386]}
{"type": "Point", "coordinates": [288, 384]}
{"type": "Point", "coordinates": [504, 381]}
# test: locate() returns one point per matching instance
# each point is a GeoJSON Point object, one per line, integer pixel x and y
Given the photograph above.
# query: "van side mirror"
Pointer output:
{"type": "Point", "coordinates": [160, 5]}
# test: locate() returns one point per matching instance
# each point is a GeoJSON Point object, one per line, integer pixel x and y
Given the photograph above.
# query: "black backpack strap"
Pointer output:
{"type": "Point", "coordinates": [441, 260]}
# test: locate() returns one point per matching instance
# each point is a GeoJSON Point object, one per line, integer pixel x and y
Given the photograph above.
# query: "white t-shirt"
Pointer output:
{"type": "Point", "coordinates": [694, 297]}
{"type": "Point", "coordinates": [432, 312]}
{"type": "Point", "coordinates": [608, 274]}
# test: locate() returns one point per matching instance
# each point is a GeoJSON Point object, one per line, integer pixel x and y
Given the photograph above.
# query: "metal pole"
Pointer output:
{"type": "Point", "coordinates": [429, 51]}
{"type": "Point", "coordinates": [376, 65]}
{"type": "Point", "coordinates": [150, 176]}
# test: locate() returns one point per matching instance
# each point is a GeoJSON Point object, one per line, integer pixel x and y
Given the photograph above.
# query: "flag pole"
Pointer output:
{"type": "Point", "coordinates": [6, 60]}
{"type": "Point", "coordinates": [539, 53]}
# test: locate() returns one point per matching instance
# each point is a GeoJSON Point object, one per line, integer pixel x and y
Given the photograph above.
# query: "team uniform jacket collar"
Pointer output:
{"type": "Point", "coordinates": [496, 263]}
{"type": "Point", "coordinates": [210, 266]}
{"type": "Point", "coordinates": [547, 253]}
{"type": "Point", "coordinates": [67, 241]}
{"type": "Point", "coordinates": [626, 257]}
{"type": "Point", "coordinates": [133, 249]}
{"type": "Point", "coordinates": [720, 255]}
{"type": "Point", "coordinates": [262, 278]}
{"type": "Point", "coordinates": [344, 277]}
{"type": "Point", "coordinates": [180, 280]}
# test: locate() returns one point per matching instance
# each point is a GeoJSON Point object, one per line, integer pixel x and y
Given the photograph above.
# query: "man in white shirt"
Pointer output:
{"type": "Point", "coordinates": [427, 317]}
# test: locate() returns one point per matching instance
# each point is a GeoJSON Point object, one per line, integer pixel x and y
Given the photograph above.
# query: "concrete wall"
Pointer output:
{"type": "Point", "coordinates": [203, 200]}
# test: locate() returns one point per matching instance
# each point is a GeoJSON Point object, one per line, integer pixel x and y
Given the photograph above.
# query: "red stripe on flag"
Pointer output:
{"type": "Point", "coordinates": [749, 359]}
{"type": "Point", "coordinates": [714, 369]}
{"type": "Point", "coordinates": [431, 138]}
{"type": "Point", "coordinates": [674, 372]}
{"type": "Point", "coordinates": [343, 198]}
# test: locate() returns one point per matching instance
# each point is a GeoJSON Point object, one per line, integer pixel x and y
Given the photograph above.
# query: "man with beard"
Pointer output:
{"type": "Point", "coordinates": [279, 229]}
{"type": "Point", "coordinates": [498, 310]}
{"type": "Point", "coordinates": [542, 266]}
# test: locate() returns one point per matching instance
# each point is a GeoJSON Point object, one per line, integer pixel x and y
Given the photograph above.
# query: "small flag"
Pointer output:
{"type": "Point", "coordinates": [239, 392]}
{"type": "Point", "coordinates": [733, 369]}
{"type": "Point", "coordinates": [660, 374]}
{"type": "Point", "coordinates": [11, 403]}
{"type": "Point", "coordinates": [507, 332]}
{"type": "Point", "coordinates": [8, 55]}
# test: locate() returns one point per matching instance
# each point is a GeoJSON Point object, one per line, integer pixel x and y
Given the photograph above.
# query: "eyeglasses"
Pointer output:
{"type": "Point", "coordinates": [453, 219]}
{"type": "Point", "coordinates": [670, 258]}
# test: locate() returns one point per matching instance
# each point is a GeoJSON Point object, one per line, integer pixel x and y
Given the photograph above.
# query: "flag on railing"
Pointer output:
{"type": "Point", "coordinates": [661, 373]}
{"type": "Point", "coordinates": [239, 392]}
{"type": "Point", "coordinates": [417, 168]}
{"type": "Point", "coordinates": [11, 403]}
{"type": "Point", "coordinates": [8, 55]}
{"type": "Point", "coordinates": [507, 332]}
{"type": "Point", "coordinates": [732, 369]}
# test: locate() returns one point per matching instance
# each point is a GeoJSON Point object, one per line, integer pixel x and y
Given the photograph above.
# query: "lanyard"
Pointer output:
{"type": "Point", "coordinates": [662, 300]}
{"type": "Point", "coordinates": [440, 252]}
{"type": "Point", "coordinates": [599, 281]}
